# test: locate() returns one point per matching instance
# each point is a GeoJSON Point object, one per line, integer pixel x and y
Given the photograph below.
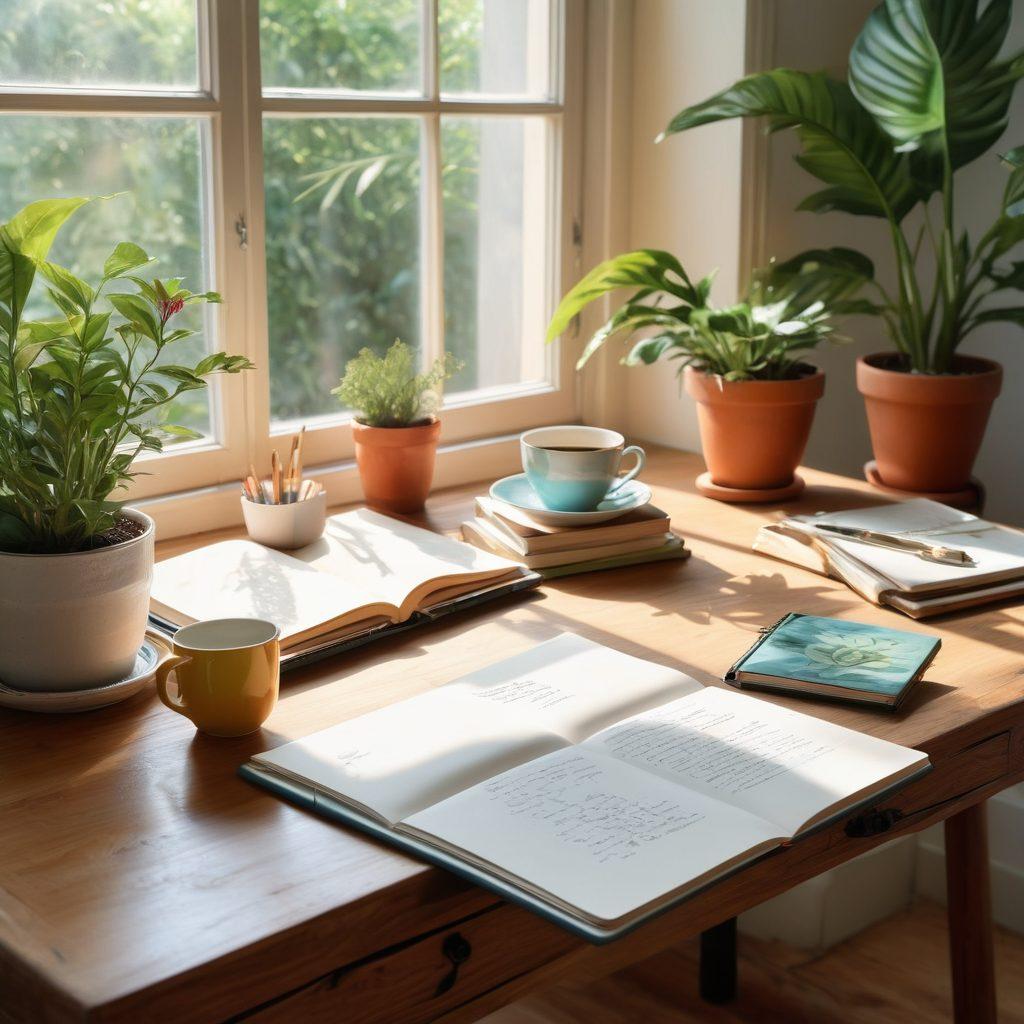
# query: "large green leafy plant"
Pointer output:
{"type": "Point", "coordinates": [82, 392]}
{"type": "Point", "coordinates": [787, 311]}
{"type": "Point", "coordinates": [927, 94]}
{"type": "Point", "coordinates": [388, 391]}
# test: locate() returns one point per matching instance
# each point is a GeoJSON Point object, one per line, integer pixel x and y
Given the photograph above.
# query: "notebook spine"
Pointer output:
{"type": "Point", "coordinates": [733, 674]}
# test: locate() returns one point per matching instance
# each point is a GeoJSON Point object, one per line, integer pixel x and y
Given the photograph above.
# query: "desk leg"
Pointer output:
{"type": "Point", "coordinates": [970, 917]}
{"type": "Point", "coordinates": [718, 963]}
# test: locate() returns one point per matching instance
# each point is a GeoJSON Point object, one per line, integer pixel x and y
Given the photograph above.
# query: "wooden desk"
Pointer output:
{"type": "Point", "coordinates": [140, 879]}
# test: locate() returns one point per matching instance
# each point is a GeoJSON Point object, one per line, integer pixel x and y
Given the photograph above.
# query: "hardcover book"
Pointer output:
{"type": "Point", "coordinates": [852, 661]}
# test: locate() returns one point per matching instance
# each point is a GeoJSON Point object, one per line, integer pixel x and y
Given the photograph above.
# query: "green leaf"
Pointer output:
{"type": "Point", "coordinates": [841, 144]}
{"type": "Point", "coordinates": [138, 313]}
{"type": "Point", "coordinates": [650, 350]}
{"type": "Point", "coordinates": [927, 71]}
{"type": "Point", "coordinates": [31, 230]}
{"type": "Point", "coordinates": [71, 287]}
{"type": "Point", "coordinates": [126, 256]}
{"type": "Point", "coordinates": [1008, 314]}
{"type": "Point", "coordinates": [632, 317]}
{"type": "Point", "coordinates": [896, 72]}
{"type": "Point", "coordinates": [650, 270]}
{"type": "Point", "coordinates": [17, 272]}
{"type": "Point", "coordinates": [1013, 194]}
{"type": "Point", "coordinates": [817, 276]}
{"type": "Point", "coordinates": [186, 433]}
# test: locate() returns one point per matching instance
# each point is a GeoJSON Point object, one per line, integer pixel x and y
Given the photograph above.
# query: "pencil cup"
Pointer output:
{"type": "Point", "coordinates": [286, 526]}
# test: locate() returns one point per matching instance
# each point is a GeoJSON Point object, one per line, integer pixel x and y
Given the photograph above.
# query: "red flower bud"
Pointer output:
{"type": "Point", "coordinates": [168, 307]}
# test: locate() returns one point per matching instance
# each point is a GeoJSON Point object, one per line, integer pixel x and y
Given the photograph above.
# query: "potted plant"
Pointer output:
{"type": "Point", "coordinates": [743, 364]}
{"type": "Point", "coordinates": [395, 430]}
{"type": "Point", "coordinates": [81, 394]}
{"type": "Point", "coordinates": [927, 94]}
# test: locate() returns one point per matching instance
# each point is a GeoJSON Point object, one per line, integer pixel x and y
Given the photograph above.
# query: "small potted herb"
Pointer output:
{"type": "Point", "coordinates": [395, 429]}
{"type": "Point", "coordinates": [81, 395]}
{"type": "Point", "coordinates": [743, 364]}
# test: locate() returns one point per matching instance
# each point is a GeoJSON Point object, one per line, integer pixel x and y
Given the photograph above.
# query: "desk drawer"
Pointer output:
{"type": "Point", "coordinates": [951, 780]}
{"type": "Point", "coordinates": [418, 982]}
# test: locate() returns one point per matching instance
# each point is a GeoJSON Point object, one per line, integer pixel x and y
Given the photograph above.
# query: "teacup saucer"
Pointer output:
{"type": "Point", "coordinates": [151, 653]}
{"type": "Point", "coordinates": [517, 492]}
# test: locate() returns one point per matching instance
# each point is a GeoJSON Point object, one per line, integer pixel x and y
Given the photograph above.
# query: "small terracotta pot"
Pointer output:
{"type": "Point", "coordinates": [396, 464]}
{"type": "Point", "coordinates": [754, 431]}
{"type": "Point", "coordinates": [926, 429]}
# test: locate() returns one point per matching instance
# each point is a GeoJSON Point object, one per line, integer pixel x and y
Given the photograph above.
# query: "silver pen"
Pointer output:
{"type": "Point", "coordinates": [929, 552]}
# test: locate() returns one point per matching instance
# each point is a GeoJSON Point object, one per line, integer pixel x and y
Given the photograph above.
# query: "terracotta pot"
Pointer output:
{"type": "Point", "coordinates": [926, 429]}
{"type": "Point", "coordinates": [754, 431]}
{"type": "Point", "coordinates": [396, 464]}
{"type": "Point", "coordinates": [71, 621]}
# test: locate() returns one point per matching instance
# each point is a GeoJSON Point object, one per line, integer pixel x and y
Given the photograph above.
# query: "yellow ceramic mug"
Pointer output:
{"type": "Point", "coordinates": [226, 673]}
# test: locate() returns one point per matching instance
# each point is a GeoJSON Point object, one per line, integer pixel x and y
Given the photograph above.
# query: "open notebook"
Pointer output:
{"type": "Point", "coordinates": [897, 578]}
{"type": "Point", "coordinates": [590, 785]}
{"type": "Point", "coordinates": [367, 570]}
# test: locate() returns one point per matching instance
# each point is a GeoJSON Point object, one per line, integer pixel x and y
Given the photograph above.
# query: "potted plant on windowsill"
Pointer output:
{"type": "Point", "coordinates": [742, 364]}
{"type": "Point", "coordinates": [80, 397]}
{"type": "Point", "coordinates": [395, 430]}
{"type": "Point", "coordinates": [927, 95]}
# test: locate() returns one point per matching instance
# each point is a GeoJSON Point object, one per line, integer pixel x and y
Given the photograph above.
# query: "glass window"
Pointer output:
{"type": "Point", "coordinates": [152, 170]}
{"type": "Point", "coordinates": [495, 48]}
{"type": "Point", "coordinates": [343, 249]}
{"type": "Point", "coordinates": [496, 270]}
{"type": "Point", "coordinates": [341, 45]}
{"type": "Point", "coordinates": [432, 225]}
{"type": "Point", "coordinates": [398, 177]}
{"type": "Point", "coordinates": [117, 44]}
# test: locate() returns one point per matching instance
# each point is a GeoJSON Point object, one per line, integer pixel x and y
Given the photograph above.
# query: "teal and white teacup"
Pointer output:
{"type": "Point", "coordinates": [573, 469]}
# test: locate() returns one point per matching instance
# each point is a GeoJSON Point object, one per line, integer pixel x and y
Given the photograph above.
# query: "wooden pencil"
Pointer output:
{"type": "Point", "coordinates": [275, 475]}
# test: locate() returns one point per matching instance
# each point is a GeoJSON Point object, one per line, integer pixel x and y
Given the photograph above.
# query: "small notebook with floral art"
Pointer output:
{"type": "Point", "coordinates": [822, 657]}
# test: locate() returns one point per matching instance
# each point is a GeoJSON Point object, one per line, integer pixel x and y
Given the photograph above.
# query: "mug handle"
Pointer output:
{"type": "Point", "coordinates": [641, 461]}
{"type": "Point", "coordinates": [163, 673]}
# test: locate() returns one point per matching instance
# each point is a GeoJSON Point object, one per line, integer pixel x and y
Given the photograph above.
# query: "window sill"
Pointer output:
{"type": "Point", "coordinates": [217, 507]}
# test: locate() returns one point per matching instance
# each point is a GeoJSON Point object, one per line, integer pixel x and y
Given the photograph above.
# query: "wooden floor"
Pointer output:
{"type": "Point", "coordinates": [894, 973]}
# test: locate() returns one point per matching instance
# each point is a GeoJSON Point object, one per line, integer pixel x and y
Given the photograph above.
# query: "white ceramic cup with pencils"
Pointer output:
{"type": "Point", "coordinates": [284, 511]}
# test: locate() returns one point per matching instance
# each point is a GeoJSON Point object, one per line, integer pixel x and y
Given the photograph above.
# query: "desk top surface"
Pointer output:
{"type": "Point", "coordinates": [131, 852]}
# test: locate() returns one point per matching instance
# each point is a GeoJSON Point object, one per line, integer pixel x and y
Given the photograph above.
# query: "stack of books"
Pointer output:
{"type": "Point", "coordinates": [643, 535]}
{"type": "Point", "coordinates": [918, 556]}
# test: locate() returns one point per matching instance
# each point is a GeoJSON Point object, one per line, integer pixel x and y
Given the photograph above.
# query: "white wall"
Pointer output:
{"type": "Point", "coordinates": [684, 192]}
{"type": "Point", "coordinates": [685, 195]}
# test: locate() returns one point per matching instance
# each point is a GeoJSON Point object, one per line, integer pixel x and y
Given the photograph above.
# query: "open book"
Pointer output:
{"type": "Point", "coordinates": [588, 784]}
{"type": "Point", "coordinates": [367, 569]}
{"type": "Point", "coordinates": [901, 579]}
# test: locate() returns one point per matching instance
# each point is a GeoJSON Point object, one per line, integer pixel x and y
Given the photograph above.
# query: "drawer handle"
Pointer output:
{"type": "Point", "coordinates": [456, 950]}
{"type": "Point", "coordinates": [873, 823]}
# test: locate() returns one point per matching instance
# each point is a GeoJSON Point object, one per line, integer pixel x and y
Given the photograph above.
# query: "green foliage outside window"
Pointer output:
{"type": "Point", "coordinates": [342, 262]}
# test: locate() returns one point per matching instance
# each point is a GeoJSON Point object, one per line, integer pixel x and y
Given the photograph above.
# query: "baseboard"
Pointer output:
{"type": "Point", "coordinates": [826, 910]}
{"type": "Point", "coordinates": [1006, 864]}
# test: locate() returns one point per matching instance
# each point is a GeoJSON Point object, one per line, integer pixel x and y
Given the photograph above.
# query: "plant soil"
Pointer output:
{"type": "Point", "coordinates": [124, 529]}
{"type": "Point", "coordinates": [961, 366]}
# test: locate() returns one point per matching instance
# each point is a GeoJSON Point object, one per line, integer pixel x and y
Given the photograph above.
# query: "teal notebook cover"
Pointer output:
{"type": "Point", "coordinates": [845, 660]}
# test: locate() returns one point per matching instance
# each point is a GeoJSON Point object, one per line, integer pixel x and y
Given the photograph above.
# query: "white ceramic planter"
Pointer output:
{"type": "Point", "coordinates": [286, 526]}
{"type": "Point", "coordinates": [71, 621]}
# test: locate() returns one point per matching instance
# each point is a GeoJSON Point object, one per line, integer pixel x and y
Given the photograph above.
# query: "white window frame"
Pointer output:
{"type": "Point", "coordinates": [199, 479]}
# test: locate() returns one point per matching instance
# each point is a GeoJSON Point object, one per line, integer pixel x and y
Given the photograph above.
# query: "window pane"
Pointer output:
{"type": "Point", "coordinates": [496, 223]}
{"type": "Point", "coordinates": [343, 237]}
{"type": "Point", "coordinates": [156, 162]}
{"type": "Point", "coordinates": [341, 45]}
{"type": "Point", "coordinates": [495, 47]}
{"type": "Point", "coordinates": [139, 44]}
